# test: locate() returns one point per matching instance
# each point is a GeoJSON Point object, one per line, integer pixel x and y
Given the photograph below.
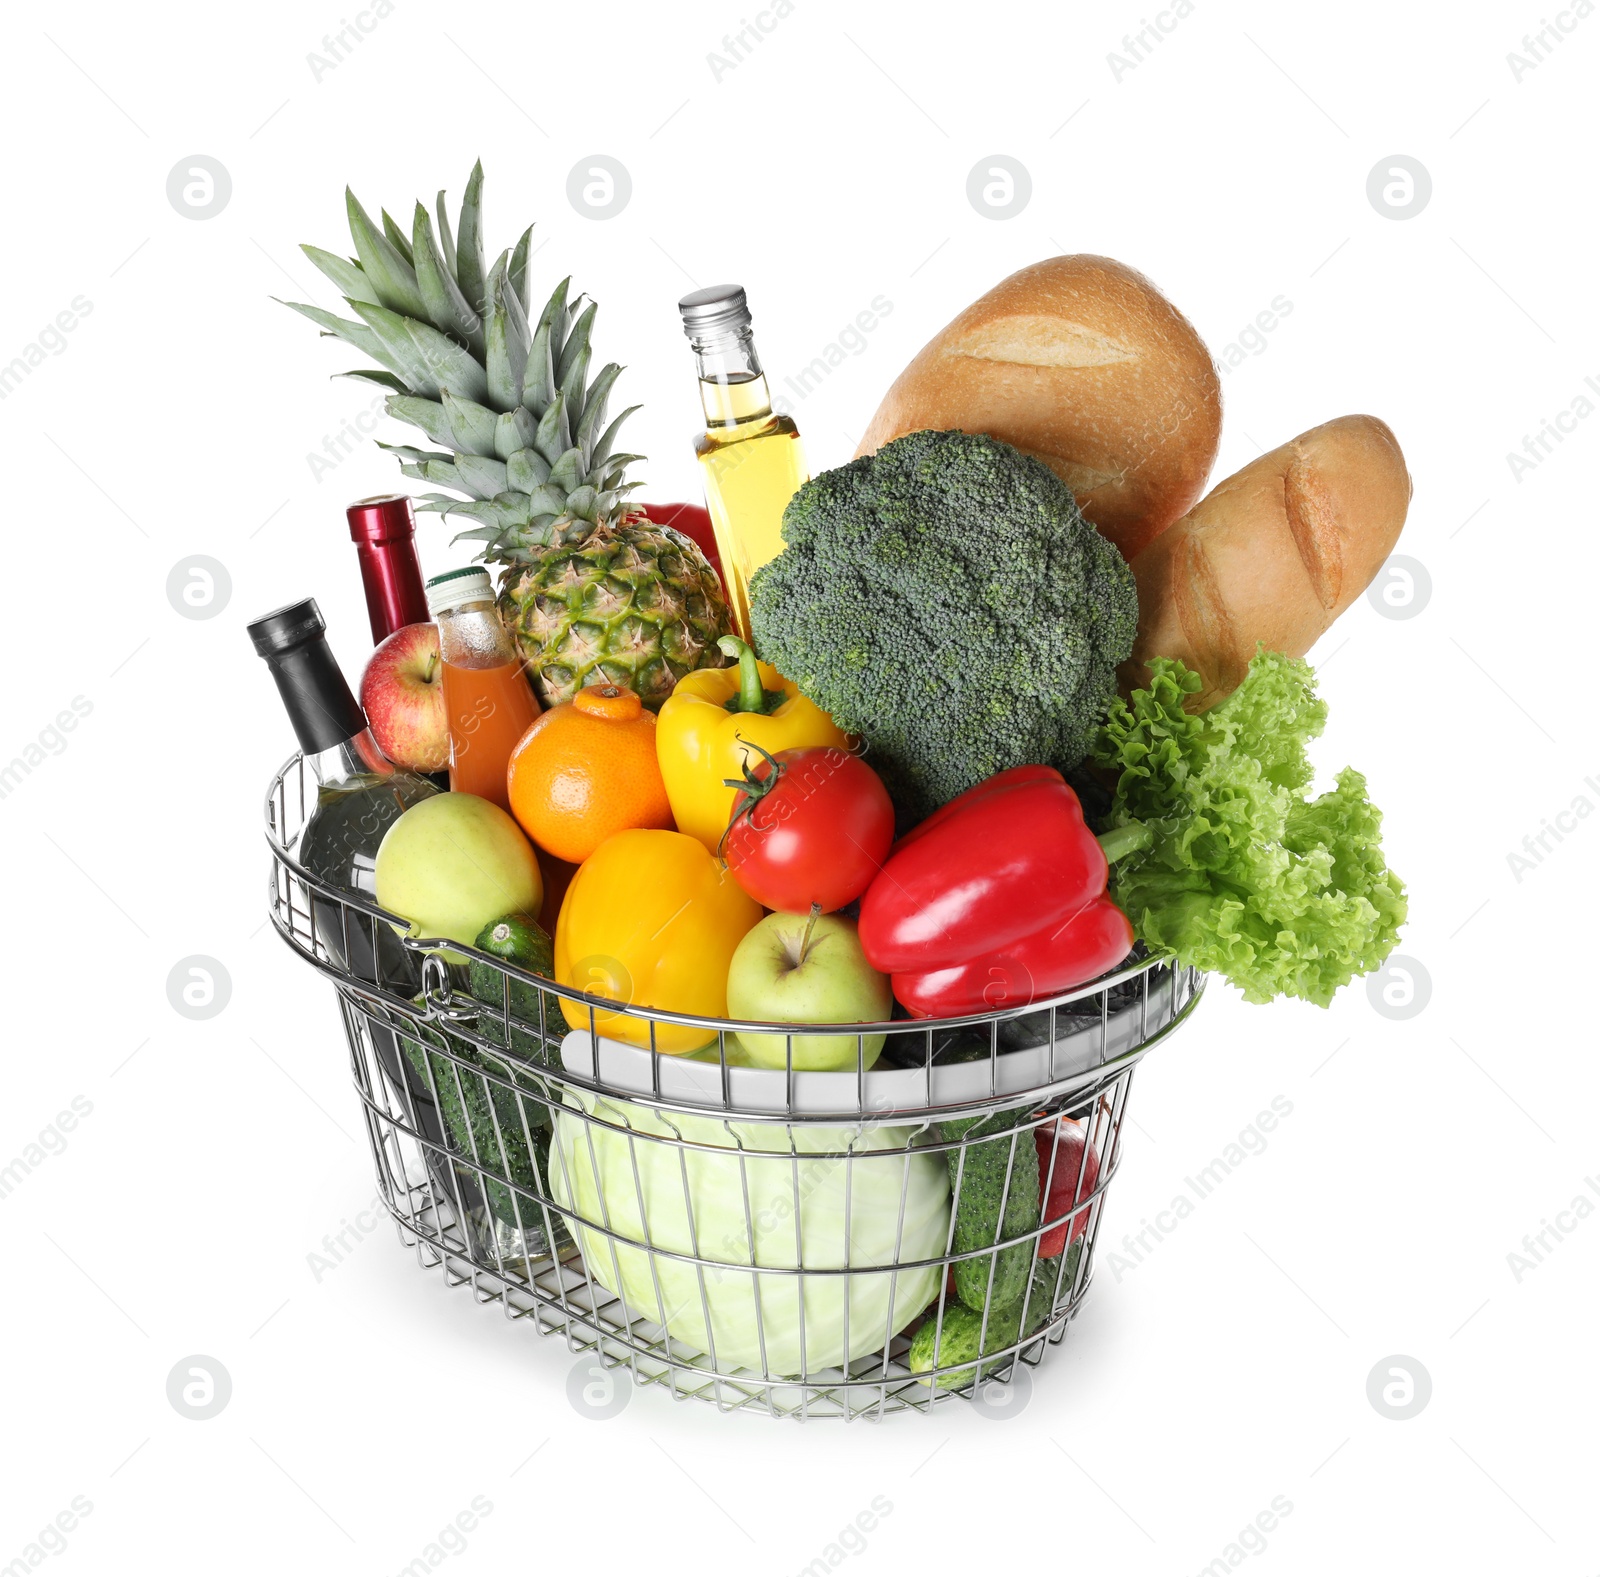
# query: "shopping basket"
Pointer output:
{"type": "Point", "coordinates": [803, 1244]}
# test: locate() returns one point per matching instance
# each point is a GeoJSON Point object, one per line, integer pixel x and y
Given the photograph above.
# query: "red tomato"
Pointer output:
{"type": "Point", "coordinates": [1068, 1141]}
{"type": "Point", "coordinates": [818, 833]}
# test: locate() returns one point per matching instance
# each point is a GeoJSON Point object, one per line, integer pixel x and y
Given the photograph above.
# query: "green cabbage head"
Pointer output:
{"type": "Point", "coordinates": [626, 1188]}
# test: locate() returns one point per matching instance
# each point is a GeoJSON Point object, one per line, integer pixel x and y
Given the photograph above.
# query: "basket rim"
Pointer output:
{"type": "Point", "coordinates": [426, 948]}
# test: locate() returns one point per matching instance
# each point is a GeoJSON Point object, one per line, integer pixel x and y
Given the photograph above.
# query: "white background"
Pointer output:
{"type": "Point", "coordinates": [1227, 1366]}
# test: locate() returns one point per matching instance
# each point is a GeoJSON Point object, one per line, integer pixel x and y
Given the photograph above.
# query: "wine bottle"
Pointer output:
{"type": "Point", "coordinates": [385, 534]}
{"type": "Point", "coordinates": [360, 793]}
{"type": "Point", "coordinates": [753, 458]}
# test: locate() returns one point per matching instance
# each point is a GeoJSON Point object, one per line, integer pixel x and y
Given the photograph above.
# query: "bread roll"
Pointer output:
{"type": "Point", "coordinates": [1275, 553]}
{"type": "Point", "coordinates": [1083, 363]}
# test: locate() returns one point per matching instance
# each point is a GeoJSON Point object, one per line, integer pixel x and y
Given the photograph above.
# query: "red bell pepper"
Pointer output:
{"type": "Point", "coordinates": [1053, 959]}
{"type": "Point", "coordinates": [1001, 780]}
{"type": "Point", "coordinates": [1008, 859]}
{"type": "Point", "coordinates": [995, 901]}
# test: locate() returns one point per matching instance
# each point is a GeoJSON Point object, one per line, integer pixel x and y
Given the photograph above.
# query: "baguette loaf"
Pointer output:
{"type": "Point", "coordinates": [1275, 553]}
{"type": "Point", "coordinates": [1084, 364]}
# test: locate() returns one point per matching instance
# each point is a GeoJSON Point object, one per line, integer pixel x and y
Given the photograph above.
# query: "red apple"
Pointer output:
{"type": "Point", "coordinates": [1067, 1138]}
{"type": "Point", "coordinates": [402, 693]}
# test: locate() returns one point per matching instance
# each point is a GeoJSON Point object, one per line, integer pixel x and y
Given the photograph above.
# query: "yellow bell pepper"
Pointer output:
{"type": "Point", "coordinates": [652, 920]}
{"type": "Point", "coordinates": [703, 728]}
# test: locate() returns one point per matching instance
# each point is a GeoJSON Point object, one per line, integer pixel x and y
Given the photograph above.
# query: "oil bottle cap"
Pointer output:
{"type": "Point", "coordinates": [715, 309]}
{"type": "Point", "coordinates": [457, 587]}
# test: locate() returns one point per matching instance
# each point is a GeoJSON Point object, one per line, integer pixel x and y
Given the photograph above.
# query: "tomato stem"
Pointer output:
{"type": "Point", "coordinates": [751, 789]}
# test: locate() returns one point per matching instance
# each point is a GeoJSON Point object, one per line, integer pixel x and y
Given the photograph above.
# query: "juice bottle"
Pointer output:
{"type": "Point", "coordinates": [753, 458]}
{"type": "Point", "coordinates": [487, 698]}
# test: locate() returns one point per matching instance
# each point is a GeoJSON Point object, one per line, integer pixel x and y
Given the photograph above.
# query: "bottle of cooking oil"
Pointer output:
{"type": "Point", "coordinates": [752, 456]}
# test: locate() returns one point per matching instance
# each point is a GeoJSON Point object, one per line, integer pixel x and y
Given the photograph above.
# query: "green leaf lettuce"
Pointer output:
{"type": "Point", "coordinates": [1245, 876]}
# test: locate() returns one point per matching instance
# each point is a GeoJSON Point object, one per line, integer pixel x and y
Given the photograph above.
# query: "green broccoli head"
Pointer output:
{"type": "Point", "coordinates": [945, 599]}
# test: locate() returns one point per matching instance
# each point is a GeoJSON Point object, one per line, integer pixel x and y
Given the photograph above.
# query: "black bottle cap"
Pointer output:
{"type": "Point", "coordinates": [286, 628]}
{"type": "Point", "coordinates": [294, 643]}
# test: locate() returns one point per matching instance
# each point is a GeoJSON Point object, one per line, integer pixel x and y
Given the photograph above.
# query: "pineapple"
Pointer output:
{"type": "Point", "coordinates": [594, 593]}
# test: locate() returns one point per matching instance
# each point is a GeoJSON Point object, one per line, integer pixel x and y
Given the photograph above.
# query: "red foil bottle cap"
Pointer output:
{"type": "Point", "coordinates": [385, 518]}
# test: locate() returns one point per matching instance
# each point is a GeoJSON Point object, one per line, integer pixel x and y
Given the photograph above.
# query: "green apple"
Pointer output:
{"type": "Point", "coordinates": [453, 863]}
{"type": "Point", "coordinates": [807, 969]}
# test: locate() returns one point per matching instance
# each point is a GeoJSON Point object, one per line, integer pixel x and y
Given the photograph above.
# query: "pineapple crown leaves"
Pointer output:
{"type": "Point", "coordinates": [520, 429]}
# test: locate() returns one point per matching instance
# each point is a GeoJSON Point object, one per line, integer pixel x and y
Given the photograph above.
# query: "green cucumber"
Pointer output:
{"type": "Point", "coordinates": [487, 1125]}
{"type": "Point", "coordinates": [959, 1332]}
{"type": "Point", "coordinates": [516, 939]}
{"type": "Point", "coordinates": [987, 1211]}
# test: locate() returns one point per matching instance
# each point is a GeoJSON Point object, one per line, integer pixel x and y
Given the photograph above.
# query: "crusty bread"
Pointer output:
{"type": "Point", "coordinates": [1083, 363]}
{"type": "Point", "coordinates": [1275, 553]}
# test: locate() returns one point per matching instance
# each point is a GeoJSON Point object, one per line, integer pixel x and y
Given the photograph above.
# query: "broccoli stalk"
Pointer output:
{"type": "Point", "coordinates": [945, 599]}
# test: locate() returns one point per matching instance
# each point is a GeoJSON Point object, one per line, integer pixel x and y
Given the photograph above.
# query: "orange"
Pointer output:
{"type": "Point", "coordinates": [586, 769]}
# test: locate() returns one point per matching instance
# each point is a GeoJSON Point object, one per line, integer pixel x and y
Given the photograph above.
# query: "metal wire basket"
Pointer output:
{"type": "Point", "coordinates": [803, 1244]}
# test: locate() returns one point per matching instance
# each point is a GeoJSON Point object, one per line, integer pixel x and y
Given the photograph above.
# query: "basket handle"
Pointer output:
{"type": "Point", "coordinates": [436, 987]}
